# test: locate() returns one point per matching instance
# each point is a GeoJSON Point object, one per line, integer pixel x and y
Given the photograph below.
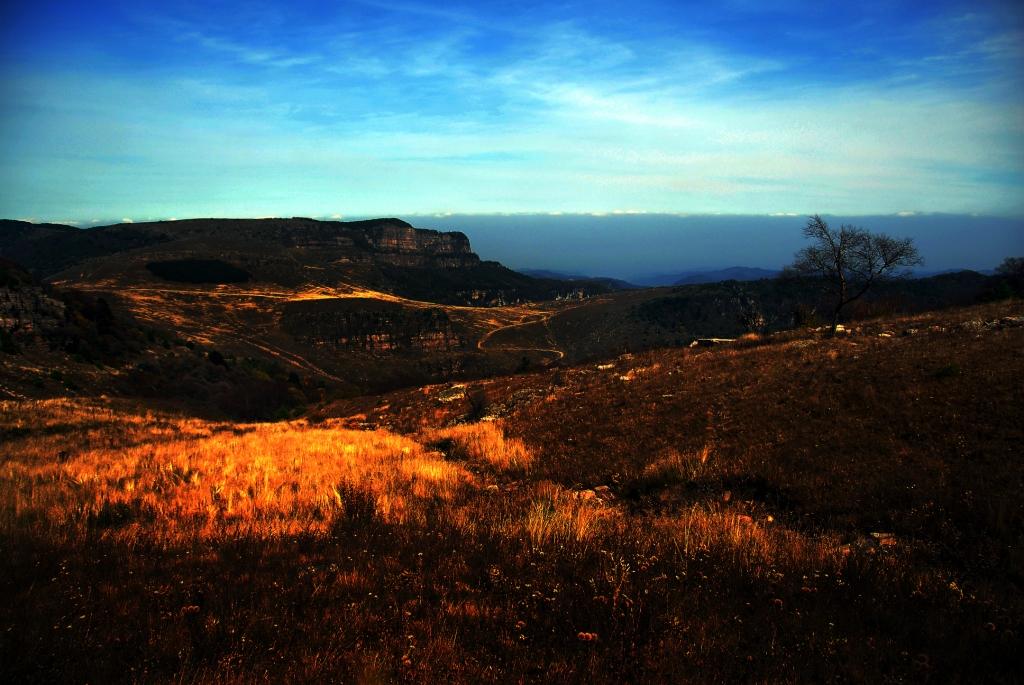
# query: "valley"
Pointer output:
{"type": "Point", "coordinates": [406, 468]}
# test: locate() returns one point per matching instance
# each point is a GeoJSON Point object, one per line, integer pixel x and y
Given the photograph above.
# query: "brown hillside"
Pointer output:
{"type": "Point", "coordinates": [790, 509]}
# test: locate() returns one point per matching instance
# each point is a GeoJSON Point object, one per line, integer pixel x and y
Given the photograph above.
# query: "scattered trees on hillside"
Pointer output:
{"type": "Point", "coordinates": [849, 260]}
{"type": "Point", "coordinates": [1011, 276]}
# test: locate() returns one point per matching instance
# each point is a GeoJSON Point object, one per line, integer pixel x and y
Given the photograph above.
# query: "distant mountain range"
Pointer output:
{"type": "Point", "coordinates": [732, 273]}
{"type": "Point", "coordinates": [613, 283]}
{"type": "Point", "coordinates": [922, 273]}
{"type": "Point", "coordinates": [696, 276]}
{"type": "Point", "coordinates": [699, 276]}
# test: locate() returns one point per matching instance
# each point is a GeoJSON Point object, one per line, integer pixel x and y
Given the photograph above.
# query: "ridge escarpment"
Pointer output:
{"type": "Point", "coordinates": [388, 255]}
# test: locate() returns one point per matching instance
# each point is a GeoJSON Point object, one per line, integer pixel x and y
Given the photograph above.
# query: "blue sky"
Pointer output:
{"type": "Point", "coordinates": [158, 110]}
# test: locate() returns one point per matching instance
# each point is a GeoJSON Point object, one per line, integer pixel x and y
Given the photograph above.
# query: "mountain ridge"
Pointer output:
{"type": "Point", "coordinates": [386, 254]}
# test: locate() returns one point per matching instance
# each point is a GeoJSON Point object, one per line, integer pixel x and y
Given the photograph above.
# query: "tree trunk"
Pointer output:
{"type": "Point", "coordinates": [839, 305]}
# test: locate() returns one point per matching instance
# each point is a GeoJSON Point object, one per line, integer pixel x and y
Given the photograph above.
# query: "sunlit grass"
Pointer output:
{"type": "Point", "coordinates": [485, 443]}
{"type": "Point", "coordinates": [676, 466]}
{"type": "Point", "coordinates": [559, 517]}
{"type": "Point", "coordinates": [193, 479]}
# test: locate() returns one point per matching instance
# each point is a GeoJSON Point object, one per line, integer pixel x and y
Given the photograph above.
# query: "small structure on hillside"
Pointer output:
{"type": "Point", "coordinates": [711, 342]}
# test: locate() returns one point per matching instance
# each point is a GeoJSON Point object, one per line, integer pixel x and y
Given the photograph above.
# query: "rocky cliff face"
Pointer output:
{"type": "Point", "coordinates": [27, 311]}
{"type": "Point", "coordinates": [373, 326]}
{"type": "Point", "coordinates": [382, 241]}
{"type": "Point", "coordinates": [399, 244]}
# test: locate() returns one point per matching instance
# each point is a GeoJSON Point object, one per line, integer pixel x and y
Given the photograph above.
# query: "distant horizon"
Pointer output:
{"type": "Point", "coordinates": [640, 246]}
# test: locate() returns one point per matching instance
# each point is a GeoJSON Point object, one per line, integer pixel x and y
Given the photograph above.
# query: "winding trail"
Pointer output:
{"type": "Point", "coordinates": [543, 318]}
{"type": "Point", "coordinates": [155, 304]}
{"type": "Point", "coordinates": [290, 358]}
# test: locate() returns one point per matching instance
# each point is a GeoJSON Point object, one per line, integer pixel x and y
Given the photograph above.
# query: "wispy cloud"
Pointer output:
{"type": "Point", "coordinates": [379, 106]}
{"type": "Point", "coordinates": [248, 54]}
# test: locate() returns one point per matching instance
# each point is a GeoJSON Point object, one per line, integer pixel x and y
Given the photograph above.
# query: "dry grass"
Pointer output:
{"type": "Point", "coordinates": [484, 443]}
{"type": "Point", "coordinates": [710, 520]}
{"type": "Point", "coordinates": [557, 517]}
{"type": "Point", "coordinates": [184, 479]}
{"type": "Point", "coordinates": [677, 467]}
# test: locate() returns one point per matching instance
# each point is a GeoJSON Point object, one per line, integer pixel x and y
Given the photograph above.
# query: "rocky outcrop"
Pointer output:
{"type": "Point", "coordinates": [391, 242]}
{"type": "Point", "coordinates": [47, 249]}
{"type": "Point", "coordinates": [25, 311]}
{"type": "Point", "coordinates": [373, 326]}
{"type": "Point", "coordinates": [26, 308]}
{"type": "Point", "coordinates": [399, 244]}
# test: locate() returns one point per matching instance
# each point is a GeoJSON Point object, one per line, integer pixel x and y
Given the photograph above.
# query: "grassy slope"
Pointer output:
{"type": "Point", "coordinates": [733, 540]}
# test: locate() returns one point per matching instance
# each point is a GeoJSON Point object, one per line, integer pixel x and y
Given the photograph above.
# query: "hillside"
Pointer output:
{"type": "Point", "coordinates": [643, 319]}
{"type": "Point", "coordinates": [297, 345]}
{"type": "Point", "coordinates": [301, 309]}
{"type": "Point", "coordinates": [387, 255]}
{"type": "Point", "coordinates": [790, 508]}
{"type": "Point", "coordinates": [346, 307]}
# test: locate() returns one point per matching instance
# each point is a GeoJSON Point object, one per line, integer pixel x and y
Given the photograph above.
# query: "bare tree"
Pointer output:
{"type": "Point", "coordinates": [1012, 270]}
{"type": "Point", "coordinates": [850, 260]}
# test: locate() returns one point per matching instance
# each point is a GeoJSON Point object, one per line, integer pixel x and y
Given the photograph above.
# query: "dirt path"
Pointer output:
{"type": "Point", "coordinates": [290, 358]}
{"type": "Point", "coordinates": [542, 318]}
{"type": "Point", "coordinates": [287, 357]}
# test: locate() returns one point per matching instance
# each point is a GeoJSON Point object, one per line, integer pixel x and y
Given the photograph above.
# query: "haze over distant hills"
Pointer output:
{"type": "Point", "coordinates": [639, 248]}
{"type": "Point", "coordinates": [732, 273]}
{"type": "Point", "coordinates": [662, 249]}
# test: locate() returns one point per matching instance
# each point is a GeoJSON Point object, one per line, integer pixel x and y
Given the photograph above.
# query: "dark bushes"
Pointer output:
{"type": "Point", "coordinates": [198, 271]}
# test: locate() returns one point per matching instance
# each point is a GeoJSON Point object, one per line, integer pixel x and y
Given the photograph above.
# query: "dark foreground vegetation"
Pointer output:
{"type": "Point", "coordinates": [792, 508]}
{"type": "Point", "coordinates": [198, 271]}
